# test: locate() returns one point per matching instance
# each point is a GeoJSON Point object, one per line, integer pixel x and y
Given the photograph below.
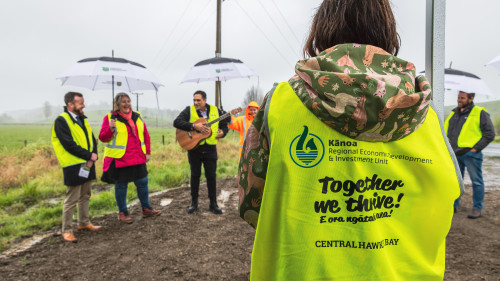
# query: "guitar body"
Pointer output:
{"type": "Point", "coordinates": [191, 139]}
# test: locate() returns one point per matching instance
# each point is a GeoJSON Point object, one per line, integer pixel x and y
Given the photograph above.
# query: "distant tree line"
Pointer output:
{"type": "Point", "coordinates": [253, 94]}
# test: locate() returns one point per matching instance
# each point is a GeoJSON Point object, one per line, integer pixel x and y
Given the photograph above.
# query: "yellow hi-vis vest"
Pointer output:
{"type": "Point", "coordinates": [116, 147]}
{"type": "Point", "coordinates": [214, 114]}
{"type": "Point", "coordinates": [335, 208]}
{"type": "Point", "coordinates": [65, 158]}
{"type": "Point", "coordinates": [471, 131]}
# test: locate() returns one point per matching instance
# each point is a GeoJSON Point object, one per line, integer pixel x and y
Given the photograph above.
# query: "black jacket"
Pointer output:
{"type": "Point", "coordinates": [456, 123]}
{"type": "Point", "coordinates": [182, 121]}
{"type": "Point", "coordinates": [63, 133]}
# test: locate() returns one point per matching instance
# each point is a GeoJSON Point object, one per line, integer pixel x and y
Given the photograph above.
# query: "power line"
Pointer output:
{"type": "Point", "coordinates": [170, 35]}
{"type": "Point", "coordinates": [279, 29]}
{"type": "Point", "coordinates": [184, 34]}
{"type": "Point", "coordinates": [265, 36]}
{"type": "Point", "coordinates": [189, 41]}
{"type": "Point", "coordinates": [289, 27]}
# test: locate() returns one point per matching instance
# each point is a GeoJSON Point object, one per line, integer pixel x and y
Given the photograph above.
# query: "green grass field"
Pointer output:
{"type": "Point", "coordinates": [13, 137]}
{"type": "Point", "coordinates": [31, 180]}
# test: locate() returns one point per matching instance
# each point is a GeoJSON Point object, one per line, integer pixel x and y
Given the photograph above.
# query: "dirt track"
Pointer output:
{"type": "Point", "coordinates": [204, 246]}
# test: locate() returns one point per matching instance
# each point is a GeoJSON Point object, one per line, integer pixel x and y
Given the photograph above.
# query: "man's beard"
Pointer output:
{"type": "Point", "coordinates": [466, 105]}
{"type": "Point", "coordinates": [79, 112]}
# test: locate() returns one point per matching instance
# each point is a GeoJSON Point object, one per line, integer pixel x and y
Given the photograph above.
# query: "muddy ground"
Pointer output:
{"type": "Point", "coordinates": [204, 246]}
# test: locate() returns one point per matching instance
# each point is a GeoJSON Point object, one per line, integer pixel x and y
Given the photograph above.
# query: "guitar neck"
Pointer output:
{"type": "Point", "coordinates": [218, 119]}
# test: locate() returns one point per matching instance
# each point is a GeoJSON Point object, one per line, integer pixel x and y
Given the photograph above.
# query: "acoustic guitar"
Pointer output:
{"type": "Point", "coordinates": [191, 139]}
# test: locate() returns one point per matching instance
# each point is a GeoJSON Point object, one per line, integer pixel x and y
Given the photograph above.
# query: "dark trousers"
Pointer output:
{"type": "Point", "coordinates": [206, 155]}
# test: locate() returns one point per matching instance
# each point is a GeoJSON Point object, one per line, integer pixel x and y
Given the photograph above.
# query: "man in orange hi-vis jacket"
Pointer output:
{"type": "Point", "coordinates": [242, 123]}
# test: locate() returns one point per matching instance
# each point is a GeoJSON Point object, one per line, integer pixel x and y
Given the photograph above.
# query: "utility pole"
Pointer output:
{"type": "Point", "coordinates": [218, 102]}
{"type": "Point", "coordinates": [112, 84]}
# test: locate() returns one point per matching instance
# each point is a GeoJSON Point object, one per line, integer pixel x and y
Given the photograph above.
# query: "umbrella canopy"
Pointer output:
{"type": "Point", "coordinates": [101, 73]}
{"type": "Point", "coordinates": [495, 62]}
{"type": "Point", "coordinates": [458, 80]}
{"type": "Point", "coordinates": [218, 69]}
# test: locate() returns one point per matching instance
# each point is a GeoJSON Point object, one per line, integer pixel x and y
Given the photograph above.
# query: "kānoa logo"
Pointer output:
{"type": "Point", "coordinates": [307, 150]}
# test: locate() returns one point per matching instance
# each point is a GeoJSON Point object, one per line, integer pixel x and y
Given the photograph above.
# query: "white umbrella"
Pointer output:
{"type": "Point", "coordinates": [495, 62]}
{"type": "Point", "coordinates": [218, 69]}
{"type": "Point", "coordinates": [457, 80]}
{"type": "Point", "coordinates": [110, 73]}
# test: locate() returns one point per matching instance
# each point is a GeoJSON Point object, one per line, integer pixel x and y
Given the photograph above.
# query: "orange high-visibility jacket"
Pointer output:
{"type": "Point", "coordinates": [242, 123]}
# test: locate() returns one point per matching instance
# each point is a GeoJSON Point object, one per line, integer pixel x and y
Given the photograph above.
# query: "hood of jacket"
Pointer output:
{"type": "Point", "coordinates": [247, 110]}
{"type": "Point", "coordinates": [363, 92]}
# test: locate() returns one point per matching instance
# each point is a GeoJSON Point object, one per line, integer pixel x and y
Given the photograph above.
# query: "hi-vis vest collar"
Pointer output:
{"type": "Point", "coordinates": [116, 147]}
{"type": "Point", "coordinates": [334, 208]}
{"type": "Point", "coordinates": [471, 131]}
{"type": "Point", "coordinates": [212, 115]}
{"type": "Point", "coordinates": [81, 138]}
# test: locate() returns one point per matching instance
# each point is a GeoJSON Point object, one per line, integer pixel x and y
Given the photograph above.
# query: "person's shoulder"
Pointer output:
{"type": "Point", "coordinates": [60, 123]}
{"type": "Point", "coordinates": [106, 116]}
{"type": "Point", "coordinates": [61, 117]}
{"type": "Point", "coordinates": [183, 114]}
{"type": "Point", "coordinates": [186, 110]}
{"type": "Point", "coordinates": [485, 112]}
{"type": "Point", "coordinates": [482, 108]}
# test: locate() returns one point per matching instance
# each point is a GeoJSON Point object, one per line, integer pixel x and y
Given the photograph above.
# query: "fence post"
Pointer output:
{"type": "Point", "coordinates": [163, 139]}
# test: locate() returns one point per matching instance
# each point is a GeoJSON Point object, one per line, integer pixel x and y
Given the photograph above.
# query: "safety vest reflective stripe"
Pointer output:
{"type": "Point", "coordinates": [113, 144]}
{"type": "Point", "coordinates": [116, 147]}
{"type": "Point", "coordinates": [214, 114]}
{"type": "Point", "coordinates": [340, 209]}
{"type": "Point", "coordinates": [471, 131]}
{"type": "Point", "coordinates": [79, 137]}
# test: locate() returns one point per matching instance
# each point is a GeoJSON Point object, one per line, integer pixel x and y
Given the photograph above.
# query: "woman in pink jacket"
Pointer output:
{"type": "Point", "coordinates": [127, 149]}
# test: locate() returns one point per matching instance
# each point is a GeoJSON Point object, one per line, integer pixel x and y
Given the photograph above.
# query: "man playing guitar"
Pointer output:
{"type": "Point", "coordinates": [206, 151]}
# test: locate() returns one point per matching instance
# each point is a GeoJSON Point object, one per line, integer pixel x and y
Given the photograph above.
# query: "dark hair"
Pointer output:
{"type": "Point", "coordinates": [70, 97]}
{"type": "Point", "coordinates": [353, 21]}
{"type": "Point", "coordinates": [118, 99]}
{"type": "Point", "coordinates": [469, 95]}
{"type": "Point", "coordinates": [203, 94]}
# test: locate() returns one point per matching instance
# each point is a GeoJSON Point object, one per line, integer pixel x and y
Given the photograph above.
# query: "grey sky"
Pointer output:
{"type": "Point", "coordinates": [41, 39]}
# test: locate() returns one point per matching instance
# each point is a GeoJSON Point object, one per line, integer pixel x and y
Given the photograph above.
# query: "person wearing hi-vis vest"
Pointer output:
{"type": "Point", "coordinates": [76, 150]}
{"type": "Point", "coordinates": [470, 130]}
{"type": "Point", "coordinates": [127, 149]}
{"type": "Point", "coordinates": [206, 152]}
{"type": "Point", "coordinates": [341, 173]}
{"type": "Point", "coordinates": [242, 123]}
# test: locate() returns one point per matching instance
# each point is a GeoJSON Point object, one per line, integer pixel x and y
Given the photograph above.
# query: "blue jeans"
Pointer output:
{"type": "Point", "coordinates": [142, 193]}
{"type": "Point", "coordinates": [473, 161]}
